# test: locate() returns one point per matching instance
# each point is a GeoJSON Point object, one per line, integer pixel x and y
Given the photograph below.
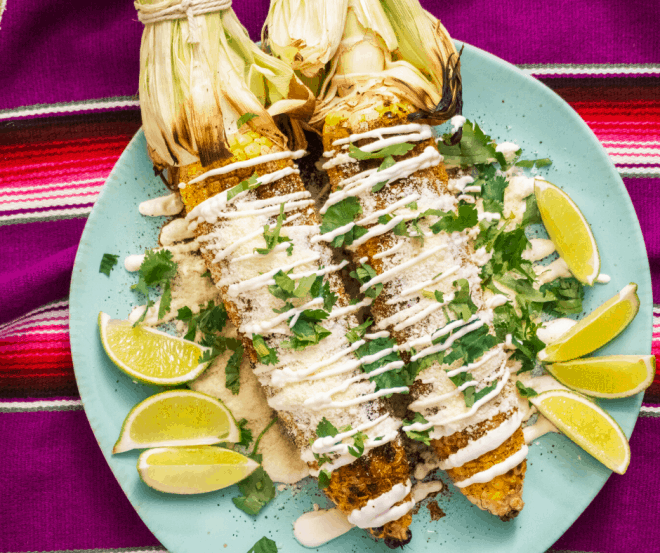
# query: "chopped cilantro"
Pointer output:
{"type": "Point", "coordinates": [232, 375]}
{"type": "Point", "coordinates": [246, 117]}
{"type": "Point", "coordinates": [388, 151]}
{"type": "Point", "coordinates": [108, 263]}
{"type": "Point", "coordinates": [437, 295]}
{"type": "Point", "coordinates": [306, 331]}
{"type": "Point", "coordinates": [246, 433]}
{"type": "Point", "coordinates": [365, 273]}
{"type": "Point", "coordinates": [492, 190]}
{"type": "Point", "coordinates": [569, 293]}
{"type": "Point", "coordinates": [470, 399]}
{"type": "Point", "coordinates": [420, 436]}
{"type": "Point", "coordinates": [462, 305]}
{"type": "Point", "coordinates": [157, 269]}
{"type": "Point", "coordinates": [247, 184]}
{"type": "Point", "coordinates": [356, 333]}
{"type": "Point", "coordinates": [474, 148]}
{"type": "Point", "coordinates": [357, 449]}
{"type": "Point", "coordinates": [326, 428]}
{"type": "Point", "coordinates": [207, 274]}
{"type": "Point", "coordinates": [524, 391]}
{"type": "Point", "coordinates": [532, 214]}
{"type": "Point", "coordinates": [258, 489]}
{"type": "Point", "coordinates": [324, 479]}
{"type": "Point", "coordinates": [273, 238]}
{"type": "Point", "coordinates": [209, 320]}
{"type": "Point", "coordinates": [466, 217]}
{"type": "Point", "coordinates": [394, 378]}
{"type": "Point", "coordinates": [529, 163]}
{"type": "Point", "coordinates": [266, 354]}
{"type": "Point", "coordinates": [264, 545]}
{"type": "Point", "coordinates": [339, 215]}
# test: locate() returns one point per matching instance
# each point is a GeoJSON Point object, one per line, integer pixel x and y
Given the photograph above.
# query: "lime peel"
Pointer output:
{"type": "Point", "coordinates": [569, 231]}
{"type": "Point", "coordinates": [586, 424]}
{"type": "Point", "coordinates": [149, 355]}
{"type": "Point", "coordinates": [193, 470]}
{"type": "Point", "coordinates": [177, 418]}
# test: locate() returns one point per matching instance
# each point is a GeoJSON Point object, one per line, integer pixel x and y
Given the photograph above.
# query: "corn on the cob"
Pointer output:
{"type": "Point", "coordinates": [328, 405]}
{"type": "Point", "coordinates": [360, 106]}
{"type": "Point", "coordinates": [323, 381]}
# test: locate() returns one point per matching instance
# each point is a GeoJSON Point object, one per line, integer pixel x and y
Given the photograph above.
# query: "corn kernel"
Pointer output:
{"type": "Point", "coordinates": [244, 140]}
{"type": "Point", "coordinates": [240, 155]}
{"type": "Point", "coordinates": [253, 150]}
{"type": "Point", "coordinates": [254, 135]}
{"type": "Point", "coordinates": [334, 118]}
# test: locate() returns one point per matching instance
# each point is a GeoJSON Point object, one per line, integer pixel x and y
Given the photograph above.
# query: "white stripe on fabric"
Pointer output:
{"type": "Point", "coordinates": [47, 109]}
{"type": "Point", "coordinates": [45, 215]}
{"type": "Point", "coordinates": [40, 405]}
{"type": "Point", "coordinates": [73, 199]}
{"type": "Point", "coordinates": [36, 188]}
{"type": "Point", "coordinates": [590, 69]}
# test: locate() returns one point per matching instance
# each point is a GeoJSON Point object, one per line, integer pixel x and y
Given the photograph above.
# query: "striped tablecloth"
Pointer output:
{"type": "Point", "coordinates": [68, 107]}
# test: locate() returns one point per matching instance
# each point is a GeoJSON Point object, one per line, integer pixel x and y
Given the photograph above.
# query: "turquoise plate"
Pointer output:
{"type": "Point", "coordinates": [561, 478]}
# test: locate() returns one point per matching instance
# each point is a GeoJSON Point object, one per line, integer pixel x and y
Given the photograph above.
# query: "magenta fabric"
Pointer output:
{"type": "Point", "coordinates": [68, 107]}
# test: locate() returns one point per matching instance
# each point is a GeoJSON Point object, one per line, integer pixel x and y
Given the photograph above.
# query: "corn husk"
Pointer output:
{"type": "Point", "coordinates": [325, 41]}
{"type": "Point", "coordinates": [192, 94]}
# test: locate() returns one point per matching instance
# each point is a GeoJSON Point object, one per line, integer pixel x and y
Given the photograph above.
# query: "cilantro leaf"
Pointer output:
{"type": "Point", "coordinates": [532, 214]}
{"type": "Point", "coordinates": [108, 263]}
{"type": "Point", "coordinates": [420, 436]}
{"type": "Point", "coordinates": [339, 215]}
{"type": "Point", "coordinates": [257, 491]}
{"type": "Point", "coordinates": [364, 273]}
{"type": "Point", "coordinates": [272, 237]}
{"type": "Point", "coordinates": [470, 347]}
{"type": "Point", "coordinates": [246, 433]}
{"type": "Point", "coordinates": [492, 192]}
{"type": "Point", "coordinates": [466, 217]}
{"type": "Point", "coordinates": [245, 118]}
{"type": "Point", "coordinates": [157, 269]}
{"type": "Point", "coordinates": [248, 184]}
{"type": "Point", "coordinates": [394, 378]}
{"type": "Point", "coordinates": [207, 274]}
{"type": "Point", "coordinates": [324, 479]}
{"type": "Point", "coordinates": [437, 295]}
{"type": "Point", "coordinates": [326, 428]}
{"type": "Point", "coordinates": [524, 391]}
{"type": "Point", "coordinates": [358, 444]}
{"type": "Point", "coordinates": [357, 332]}
{"type": "Point", "coordinates": [266, 354]}
{"type": "Point", "coordinates": [264, 545]}
{"type": "Point", "coordinates": [538, 163]}
{"type": "Point", "coordinates": [469, 401]}
{"type": "Point", "coordinates": [306, 331]}
{"type": "Point", "coordinates": [569, 293]}
{"type": "Point", "coordinates": [474, 148]}
{"type": "Point", "coordinates": [462, 305]}
{"type": "Point", "coordinates": [232, 375]}
{"type": "Point", "coordinates": [388, 151]}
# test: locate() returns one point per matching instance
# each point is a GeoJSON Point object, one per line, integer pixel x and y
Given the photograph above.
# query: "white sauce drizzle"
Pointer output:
{"type": "Point", "coordinates": [496, 470]}
{"type": "Point", "coordinates": [382, 509]}
{"type": "Point", "coordinates": [164, 205]}
{"type": "Point", "coordinates": [603, 278]}
{"type": "Point", "coordinates": [245, 164]}
{"type": "Point", "coordinates": [316, 528]}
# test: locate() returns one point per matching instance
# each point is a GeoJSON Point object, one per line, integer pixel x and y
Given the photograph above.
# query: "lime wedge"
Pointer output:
{"type": "Point", "coordinates": [149, 355]}
{"type": "Point", "coordinates": [190, 470]}
{"type": "Point", "coordinates": [609, 377]}
{"type": "Point", "coordinates": [587, 425]}
{"type": "Point", "coordinates": [568, 230]}
{"type": "Point", "coordinates": [596, 329]}
{"type": "Point", "coordinates": [177, 418]}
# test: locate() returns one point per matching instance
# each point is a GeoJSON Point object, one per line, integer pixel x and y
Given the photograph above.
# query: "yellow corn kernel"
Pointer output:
{"type": "Point", "coordinates": [253, 150]}
{"type": "Point", "coordinates": [240, 155]}
{"type": "Point", "coordinates": [265, 141]}
{"type": "Point", "coordinates": [335, 118]}
{"type": "Point", "coordinates": [254, 135]}
{"type": "Point", "coordinates": [244, 140]}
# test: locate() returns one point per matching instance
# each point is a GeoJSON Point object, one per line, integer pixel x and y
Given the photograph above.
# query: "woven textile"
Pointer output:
{"type": "Point", "coordinates": [68, 108]}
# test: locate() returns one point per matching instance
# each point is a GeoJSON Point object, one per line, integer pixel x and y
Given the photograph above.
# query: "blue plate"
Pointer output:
{"type": "Point", "coordinates": [561, 478]}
